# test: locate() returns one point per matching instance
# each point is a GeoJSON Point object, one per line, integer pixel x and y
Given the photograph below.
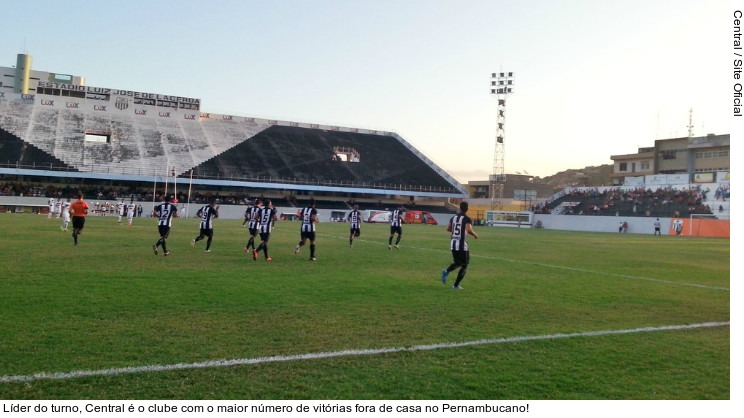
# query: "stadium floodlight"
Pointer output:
{"type": "Point", "coordinates": [502, 84]}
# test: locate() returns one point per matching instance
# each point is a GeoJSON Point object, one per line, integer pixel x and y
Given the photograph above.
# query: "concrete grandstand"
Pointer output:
{"type": "Point", "coordinates": [54, 129]}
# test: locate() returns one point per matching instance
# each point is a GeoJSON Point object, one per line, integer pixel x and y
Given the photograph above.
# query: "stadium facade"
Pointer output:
{"type": "Point", "coordinates": [54, 126]}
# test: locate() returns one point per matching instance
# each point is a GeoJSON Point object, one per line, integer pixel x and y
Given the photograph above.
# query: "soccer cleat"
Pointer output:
{"type": "Point", "coordinates": [397, 247]}
{"type": "Point", "coordinates": [245, 250]}
{"type": "Point", "coordinates": [390, 247]}
{"type": "Point", "coordinates": [207, 251]}
{"type": "Point", "coordinates": [193, 242]}
{"type": "Point", "coordinates": [311, 258]}
{"type": "Point", "coordinates": [255, 255]}
{"type": "Point", "coordinates": [444, 276]}
{"type": "Point", "coordinates": [155, 249]}
{"type": "Point", "coordinates": [456, 287]}
{"type": "Point", "coordinates": [166, 254]}
{"type": "Point", "coordinates": [297, 249]}
{"type": "Point", "coordinates": [268, 258]}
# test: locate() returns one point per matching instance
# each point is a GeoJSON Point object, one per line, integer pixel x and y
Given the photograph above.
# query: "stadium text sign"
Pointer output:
{"type": "Point", "coordinates": [128, 93]}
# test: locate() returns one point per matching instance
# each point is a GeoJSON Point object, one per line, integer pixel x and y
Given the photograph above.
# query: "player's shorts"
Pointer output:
{"type": "Point", "coordinates": [265, 236]}
{"type": "Point", "coordinates": [66, 217]}
{"type": "Point", "coordinates": [206, 232]}
{"type": "Point", "coordinates": [356, 232]}
{"type": "Point", "coordinates": [308, 235]}
{"type": "Point", "coordinates": [253, 231]}
{"type": "Point", "coordinates": [164, 230]}
{"type": "Point", "coordinates": [396, 230]}
{"type": "Point", "coordinates": [78, 222]}
{"type": "Point", "coordinates": [461, 258]}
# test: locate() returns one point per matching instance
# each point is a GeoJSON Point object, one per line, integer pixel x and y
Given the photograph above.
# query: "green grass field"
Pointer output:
{"type": "Point", "coordinates": [109, 303]}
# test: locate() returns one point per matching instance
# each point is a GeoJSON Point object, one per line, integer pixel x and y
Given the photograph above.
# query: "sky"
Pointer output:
{"type": "Point", "coordinates": [591, 79]}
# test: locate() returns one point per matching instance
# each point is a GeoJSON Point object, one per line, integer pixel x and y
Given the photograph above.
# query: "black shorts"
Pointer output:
{"type": "Point", "coordinates": [308, 235]}
{"type": "Point", "coordinates": [164, 230]}
{"type": "Point", "coordinates": [265, 236]}
{"type": "Point", "coordinates": [253, 231]}
{"type": "Point", "coordinates": [206, 232]}
{"type": "Point", "coordinates": [356, 232]}
{"type": "Point", "coordinates": [78, 222]}
{"type": "Point", "coordinates": [461, 258]}
{"type": "Point", "coordinates": [396, 230]}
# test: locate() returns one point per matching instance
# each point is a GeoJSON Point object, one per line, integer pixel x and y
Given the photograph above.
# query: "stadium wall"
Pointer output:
{"type": "Point", "coordinates": [636, 225]}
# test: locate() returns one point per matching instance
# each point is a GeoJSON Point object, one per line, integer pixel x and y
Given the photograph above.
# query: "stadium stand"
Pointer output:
{"type": "Point", "coordinates": [662, 202]}
{"type": "Point", "coordinates": [215, 147]}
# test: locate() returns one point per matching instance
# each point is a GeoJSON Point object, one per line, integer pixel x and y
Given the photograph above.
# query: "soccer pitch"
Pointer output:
{"type": "Point", "coordinates": [543, 315]}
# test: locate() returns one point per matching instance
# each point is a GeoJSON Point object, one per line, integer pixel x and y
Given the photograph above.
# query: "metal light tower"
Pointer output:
{"type": "Point", "coordinates": [501, 86]}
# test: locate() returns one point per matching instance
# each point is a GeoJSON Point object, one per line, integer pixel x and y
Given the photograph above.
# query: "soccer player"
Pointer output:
{"type": "Point", "coordinates": [459, 226]}
{"type": "Point", "coordinates": [58, 209]}
{"type": "Point", "coordinates": [266, 219]}
{"type": "Point", "coordinates": [131, 207]}
{"type": "Point", "coordinates": [251, 216]}
{"type": "Point", "coordinates": [164, 212]}
{"type": "Point", "coordinates": [79, 210]}
{"type": "Point", "coordinates": [396, 220]}
{"type": "Point", "coordinates": [120, 210]}
{"type": "Point", "coordinates": [355, 224]}
{"type": "Point", "coordinates": [308, 216]}
{"type": "Point", "coordinates": [65, 214]}
{"type": "Point", "coordinates": [51, 203]}
{"type": "Point", "coordinates": [657, 227]}
{"type": "Point", "coordinates": [678, 225]}
{"type": "Point", "coordinates": [206, 229]}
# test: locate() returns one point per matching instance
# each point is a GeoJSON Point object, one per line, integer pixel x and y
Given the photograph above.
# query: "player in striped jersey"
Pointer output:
{"type": "Point", "coordinates": [164, 212]}
{"type": "Point", "coordinates": [251, 216]}
{"type": "Point", "coordinates": [266, 219]}
{"type": "Point", "coordinates": [206, 229]}
{"type": "Point", "coordinates": [308, 216]}
{"type": "Point", "coordinates": [460, 226]}
{"type": "Point", "coordinates": [396, 220]}
{"type": "Point", "coordinates": [355, 224]}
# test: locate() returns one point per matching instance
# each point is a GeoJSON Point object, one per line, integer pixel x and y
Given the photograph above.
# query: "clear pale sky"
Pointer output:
{"type": "Point", "coordinates": [592, 78]}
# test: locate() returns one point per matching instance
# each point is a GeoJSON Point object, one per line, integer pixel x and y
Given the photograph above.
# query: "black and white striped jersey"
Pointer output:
{"type": "Point", "coordinates": [395, 219]}
{"type": "Point", "coordinates": [355, 219]}
{"type": "Point", "coordinates": [266, 219]}
{"type": "Point", "coordinates": [208, 214]}
{"type": "Point", "coordinates": [252, 215]}
{"type": "Point", "coordinates": [307, 216]}
{"type": "Point", "coordinates": [458, 227]}
{"type": "Point", "coordinates": [164, 212]}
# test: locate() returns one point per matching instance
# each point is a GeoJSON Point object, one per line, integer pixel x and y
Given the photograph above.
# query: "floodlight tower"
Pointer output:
{"type": "Point", "coordinates": [501, 86]}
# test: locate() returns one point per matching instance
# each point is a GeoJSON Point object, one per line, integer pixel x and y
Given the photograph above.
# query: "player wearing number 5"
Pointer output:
{"type": "Point", "coordinates": [460, 226]}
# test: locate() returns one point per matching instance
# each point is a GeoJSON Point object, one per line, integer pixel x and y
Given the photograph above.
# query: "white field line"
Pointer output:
{"type": "Point", "coordinates": [343, 353]}
{"type": "Point", "coordinates": [555, 266]}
